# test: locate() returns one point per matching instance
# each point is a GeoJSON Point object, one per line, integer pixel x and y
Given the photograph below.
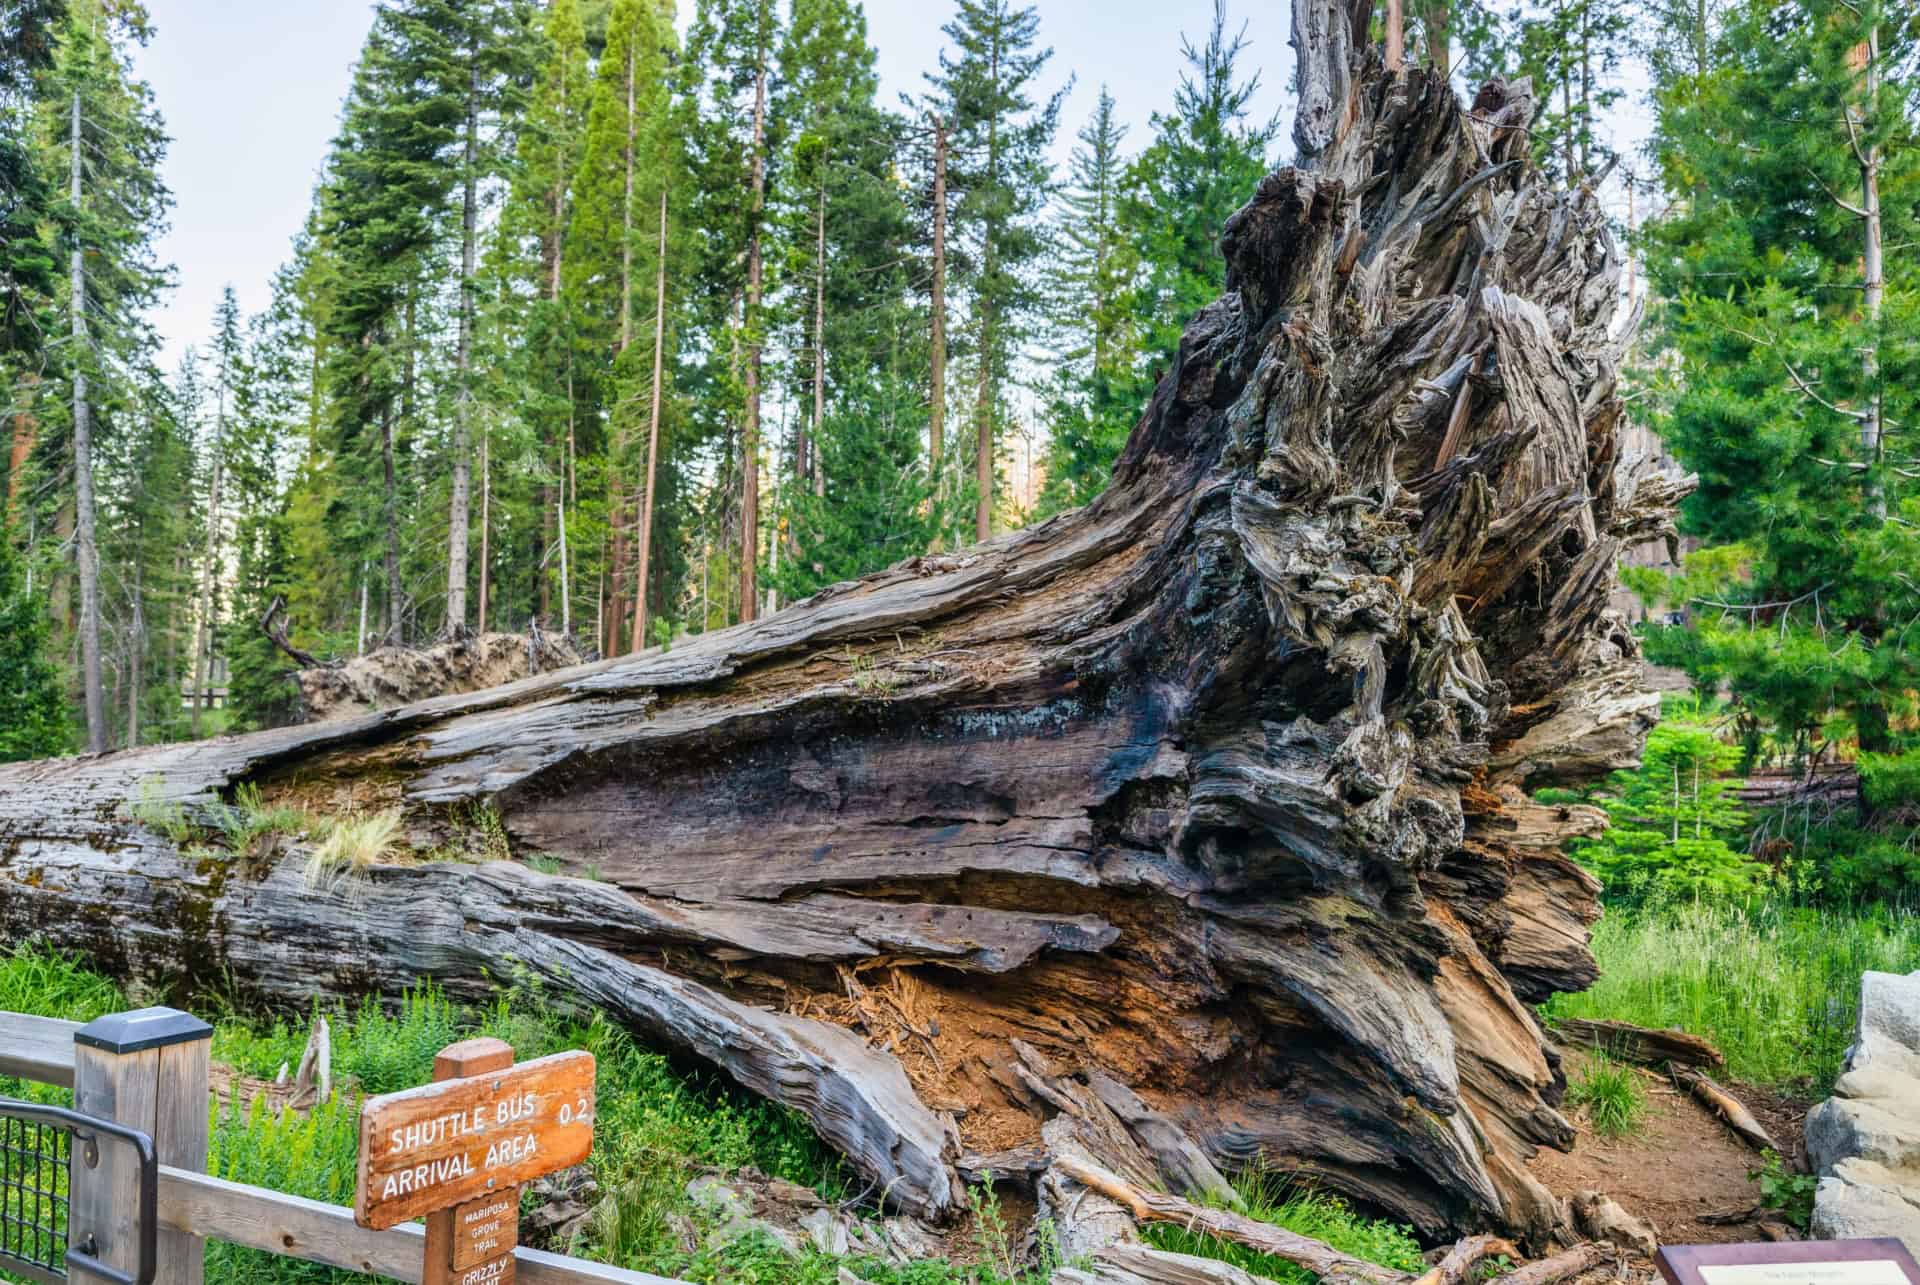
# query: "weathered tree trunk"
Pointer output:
{"type": "Point", "coordinates": [750, 434]}
{"type": "Point", "coordinates": [86, 546]}
{"type": "Point", "coordinates": [459, 516]}
{"type": "Point", "coordinates": [210, 559]}
{"type": "Point", "coordinates": [1179, 831]}
{"type": "Point", "coordinates": [644, 574]}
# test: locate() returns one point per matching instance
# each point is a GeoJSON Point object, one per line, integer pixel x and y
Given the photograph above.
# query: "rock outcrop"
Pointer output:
{"type": "Point", "coordinates": [1864, 1141]}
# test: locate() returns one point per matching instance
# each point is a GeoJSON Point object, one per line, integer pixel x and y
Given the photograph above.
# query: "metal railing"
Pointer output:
{"type": "Point", "coordinates": [39, 1146]}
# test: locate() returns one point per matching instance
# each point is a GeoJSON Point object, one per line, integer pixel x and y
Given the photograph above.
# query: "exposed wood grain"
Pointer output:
{"type": "Point", "coordinates": [451, 1065]}
{"type": "Point", "coordinates": [1560, 1267]}
{"type": "Point", "coordinates": [1466, 1254]}
{"type": "Point", "coordinates": [180, 1138]}
{"type": "Point", "coordinates": [1732, 1112]}
{"type": "Point", "coordinates": [37, 1048]}
{"type": "Point", "coordinates": [1324, 1261]}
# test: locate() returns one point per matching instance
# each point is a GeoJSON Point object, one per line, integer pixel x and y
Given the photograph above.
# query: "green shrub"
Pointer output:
{"type": "Point", "coordinates": [312, 1154]}
{"type": "Point", "coordinates": [1611, 1095]}
{"type": "Point", "coordinates": [1674, 822]}
{"type": "Point", "coordinates": [1842, 862]}
{"type": "Point", "coordinates": [1790, 1193]}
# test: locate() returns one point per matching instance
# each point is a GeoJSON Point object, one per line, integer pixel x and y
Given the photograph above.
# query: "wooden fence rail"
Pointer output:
{"type": "Point", "coordinates": [149, 1070]}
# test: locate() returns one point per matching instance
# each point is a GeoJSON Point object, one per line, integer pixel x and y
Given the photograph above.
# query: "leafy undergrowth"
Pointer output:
{"type": "Point", "coordinates": [1275, 1199]}
{"type": "Point", "coordinates": [1776, 987]}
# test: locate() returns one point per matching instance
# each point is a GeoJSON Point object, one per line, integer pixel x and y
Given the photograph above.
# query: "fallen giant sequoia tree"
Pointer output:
{"type": "Point", "coordinates": [1184, 826]}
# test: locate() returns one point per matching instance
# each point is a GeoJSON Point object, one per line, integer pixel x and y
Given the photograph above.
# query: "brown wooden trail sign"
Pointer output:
{"type": "Point", "coordinates": [457, 1151]}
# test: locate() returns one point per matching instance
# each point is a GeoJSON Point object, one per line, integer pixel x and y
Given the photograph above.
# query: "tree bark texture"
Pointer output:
{"type": "Point", "coordinates": [1178, 833]}
{"type": "Point", "coordinates": [86, 545]}
{"type": "Point", "coordinates": [459, 514]}
{"type": "Point", "coordinates": [750, 433]}
{"type": "Point", "coordinates": [644, 574]}
{"type": "Point", "coordinates": [210, 558]}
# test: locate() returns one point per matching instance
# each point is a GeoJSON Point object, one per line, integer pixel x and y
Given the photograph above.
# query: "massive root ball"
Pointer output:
{"type": "Point", "coordinates": [1183, 830]}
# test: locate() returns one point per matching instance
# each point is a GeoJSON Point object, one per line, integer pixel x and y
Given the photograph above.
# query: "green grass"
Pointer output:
{"type": "Point", "coordinates": [1775, 987]}
{"type": "Point", "coordinates": [1612, 1097]}
{"type": "Point", "coordinates": [37, 980]}
{"type": "Point", "coordinates": [1302, 1209]}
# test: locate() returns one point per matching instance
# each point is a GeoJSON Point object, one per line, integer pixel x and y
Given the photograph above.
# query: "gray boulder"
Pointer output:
{"type": "Point", "coordinates": [1864, 1141]}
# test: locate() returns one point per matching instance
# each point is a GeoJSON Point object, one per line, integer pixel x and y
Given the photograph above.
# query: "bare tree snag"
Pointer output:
{"type": "Point", "coordinates": [1179, 832]}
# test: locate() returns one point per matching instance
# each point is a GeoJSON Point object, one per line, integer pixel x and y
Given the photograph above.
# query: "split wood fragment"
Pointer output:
{"type": "Point", "coordinates": [1730, 1110]}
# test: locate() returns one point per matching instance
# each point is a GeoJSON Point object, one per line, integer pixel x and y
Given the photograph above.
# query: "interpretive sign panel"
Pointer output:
{"type": "Point", "coordinates": [461, 1140]}
{"type": "Point", "coordinates": [1806, 1262]}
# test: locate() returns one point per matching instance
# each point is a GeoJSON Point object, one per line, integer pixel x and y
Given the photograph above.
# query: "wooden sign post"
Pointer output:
{"type": "Point", "coordinates": [458, 1150]}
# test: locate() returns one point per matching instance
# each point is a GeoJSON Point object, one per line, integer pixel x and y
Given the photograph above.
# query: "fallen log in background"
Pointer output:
{"type": "Point", "coordinates": [1212, 788]}
{"type": "Point", "coordinates": [1645, 1045]}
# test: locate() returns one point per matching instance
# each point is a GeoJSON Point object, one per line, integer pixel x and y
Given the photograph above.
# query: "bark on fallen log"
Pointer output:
{"type": "Point", "coordinates": [1641, 1044]}
{"type": "Point", "coordinates": [1139, 1265]}
{"type": "Point", "coordinates": [1560, 1267]}
{"type": "Point", "coordinates": [1467, 1254]}
{"type": "Point", "coordinates": [1211, 787]}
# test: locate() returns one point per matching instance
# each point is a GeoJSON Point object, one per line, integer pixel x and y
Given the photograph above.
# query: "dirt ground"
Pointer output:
{"type": "Point", "coordinates": [1682, 1164]}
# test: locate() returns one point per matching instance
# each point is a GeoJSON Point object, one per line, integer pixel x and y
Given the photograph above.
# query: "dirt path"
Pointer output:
{"type": "Point", "coordinates": [1682, 1164]}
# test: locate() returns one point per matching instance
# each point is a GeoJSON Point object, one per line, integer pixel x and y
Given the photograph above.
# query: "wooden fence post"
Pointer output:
{"type": "Point", "coordinates": [456, 1062]}
{"type": "Point", "coordinates": [147, 1070]}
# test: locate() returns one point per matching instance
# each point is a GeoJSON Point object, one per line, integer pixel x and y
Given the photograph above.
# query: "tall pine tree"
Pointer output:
{"type": "Point", "coordinates": [1001, 182]}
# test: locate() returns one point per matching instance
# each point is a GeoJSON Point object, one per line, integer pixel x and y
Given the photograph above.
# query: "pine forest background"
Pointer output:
{"type": "Point", "coordinates": [630, 327]}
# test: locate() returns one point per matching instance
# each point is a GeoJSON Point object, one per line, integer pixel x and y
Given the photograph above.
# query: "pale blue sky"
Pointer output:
{"type": "Point", "coordinates": [251, 93]}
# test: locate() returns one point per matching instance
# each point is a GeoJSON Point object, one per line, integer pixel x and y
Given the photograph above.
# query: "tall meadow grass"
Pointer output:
{"type": "Point", "coordinates": [1775, 986]}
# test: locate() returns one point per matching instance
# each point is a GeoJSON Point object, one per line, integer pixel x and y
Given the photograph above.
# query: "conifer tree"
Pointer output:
{"type": "Point", "coordinates": [227, 360]}
{"type": "Point", "coordinates": [381, 203]}
{"type": "Point", "coordinates": [547, 168]}
{"type": "Point", "coordinates": [1097, 393]}
{"type": "Point", "coordinates": [1000, 181]}
{"type": "Point", "coordinates": [732, 49]}
{"type": "Point", "coordinates": [1793, 167]}
{"type": "Point", "coordinates": [108, 143]}
{"type": "Point", "coordinates": [33, 720]}
{"type": "Point", "coordinates": [152, 521]}
{"type": "Point", "coordinates": [473, 50]}
{"type": "Point", "coordinates": [1572, 50]}
{"type": "Point", "coordinates": [615, 219]}
{"type": "Point", "coordinates": [27, 269]}
{"type": "Point", "coordinates": [848, 316]}
{"type": "Point", "coordinates": [1205, 160]}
